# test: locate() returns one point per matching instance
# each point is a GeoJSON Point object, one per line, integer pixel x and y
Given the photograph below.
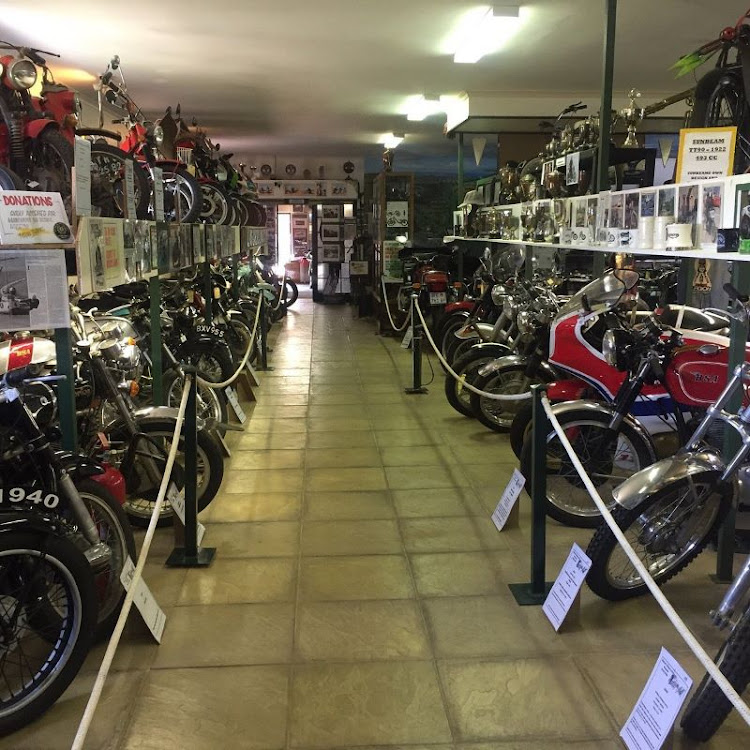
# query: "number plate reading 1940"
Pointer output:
{"type": "Point", "coordinates": [211, 330]}
{"type": "Point", "coordinates": [20, 494]}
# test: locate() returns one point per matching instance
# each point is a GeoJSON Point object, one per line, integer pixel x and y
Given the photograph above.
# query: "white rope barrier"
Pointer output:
{"type": "Point", "coordinates": [468, 386]}
{"type": "Point", "coordinates": [114, 641]}
{"type": "Point", "coordinates": [388, 310]}
{"type": "Point", "coordinates": [669, 611]}
{"type": "Point", "coordinates": [230, 380]}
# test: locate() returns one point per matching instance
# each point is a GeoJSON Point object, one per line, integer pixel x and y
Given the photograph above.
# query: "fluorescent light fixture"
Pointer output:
{"type": "Point", "coordinates": [484, 30]}
{"type": "Point", "coordinates": [456, 109]}
{"type": "Point", "coordinates": [390, 140]}
{"type": "Point", "coordinates": [418, 107]}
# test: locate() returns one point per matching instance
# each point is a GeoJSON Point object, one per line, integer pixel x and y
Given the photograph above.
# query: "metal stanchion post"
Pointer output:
{"type": "Point", "coordinates": [154, 291]}
{"type": "Point", "coordinates": [66, 399]}
{"type": "Point", "coordinates": [208, 292]}
{"type": "Point", "coordinates": [536, 591]}
{"type": "Point", "coordinates": [416, 347]}
{"type": "Point", "coordinates": [190, 555]}
{"type": "Point", "coordinates": [263, 334]}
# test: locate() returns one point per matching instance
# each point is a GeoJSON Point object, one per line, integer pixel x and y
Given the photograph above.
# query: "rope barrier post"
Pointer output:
{"type": "Point", "coordinates": [416, 347]}
{"type": "Point", "coordinates": [191, 555]}
{"type": "Point", "coordinates": [536, 591]}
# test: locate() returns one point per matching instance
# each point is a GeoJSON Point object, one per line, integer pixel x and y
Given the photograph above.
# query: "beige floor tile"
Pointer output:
{"type": "Point", "coordinates": [543, 745]}
{"type": "Point", "coordinates": [323, 538]}
{"type": "Point", "coordinates": [433, 503]}
{"type": "Point", "coordinates": [450, 534]}
{"type": "Point", "coordinates": [274, 441]}
{"type": "Point", "coordinates": [264, 410]}
{"type": "Point", "coordinates": [340, 506]}
{"type": "Point", "coordinates": [276, 426]}
{"type": "Point", "coordinates": [57, 728]}
{"type": "Point", "coordinates": [343, 439]}
{"type": "Point", "coordinates": [240, 581]}
{"type": "Point", "coordinates": [334, 705]}
{"type": "Point", "coordinates": [262, 506]}
{"type": "Point", "coordinates": [462, 574]}
{"type": "Point", "coordinates": [344, 457]}
{"type": "Point", "coordinates": [245, 708]}
{"type": "Point", "coordinates": [417, 455]}
{"type": "Point", "coordinates": [351, 397]}
{"type": "Point", "coordinates": [360, 631]}
{"type": "Point", "coordinates": [424, 477]}
{"type": "Point", "coordinates": [348, 578]}
{"type": "Point", "coordinates": [542, 698]}
{"type": "Point", "coordinates": [282, 480]}
{"type": "Point", "coordinates": [336, 424]}
{"type": "Point", "coordinates": [337, 411]}
{"type": "Point", "coordinates": [248, 460]}
{"type": "Point", "coordinates": [404, 438]}
{"type": "Point", "coordinates": [260, 634]}
{"type": "Point", "coordinates": [495, 473]}
{"type": "Point", "coordinates": [266, 539]}
{"type": "Point", "coordinates": [346, 479]}
{"type": "Point", "coordinates": [271, 398]}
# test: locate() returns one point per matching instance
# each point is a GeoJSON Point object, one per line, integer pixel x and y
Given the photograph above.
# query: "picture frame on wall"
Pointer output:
{"type": "Point", "coordinates": [331, 252]}
{"type": "Point", "coordinates": [299, 235]}
{"type": "Point", "coordinates": [299, 208]}
{"type": "Point", "coordinates": [330, 212]}
{"type": "Point", "coordinates": [330, 232]}
{"type": "Point", "coordinates": [299, 222]}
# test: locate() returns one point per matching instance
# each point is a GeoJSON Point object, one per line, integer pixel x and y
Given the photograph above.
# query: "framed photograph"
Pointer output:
{"type": "Point", "coordinates": [648, 204]}
{"type": "Point", "coordinates": [186, 245]}
{"type": "Point", "coordinates": [299, 208]}
{"type": "Point", "coordinates": [687, 204]}
{"type": "Point", "coordinates": [160, 240]}
{"type": "Point", "coordinates": [199, 243]}
{"type": "Point", "coordinates": [175, 252]}
{"type": "Point", "coordinates": [667, 198]}
{"type": "Point", "coordinates": [131, 264]}
{"type": "Point", "coordinates": [209, 242]}
{"type": "Point", "coordinates": [299, 235]}
{"type": "Point", "coordinates": [330, 232]}
{"type": "Point", "coordinates": [299, 222]}
{"type": "Point", "coordinates": [330, 212]}
{"type": "Point", "coordinates": [143, 246]}
{"type": "Point", "coordinates": [710, 214]}
{"type": "Point", "coordinates": [616, 211]}
{"type": "Point", "coordinates": [580, 212]}
{"type": "Point", "coordinates": [331, 252]}
{"type": "Point", "coordinates": [397, 214]}
{"type": "Point", "coordinates": [631, 210]}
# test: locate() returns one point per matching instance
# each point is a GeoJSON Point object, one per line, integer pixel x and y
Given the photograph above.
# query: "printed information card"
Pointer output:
{"type": "Point", "coordinates": [655, 712]}
{"type": "Point", "coordinates": [153, 615]}
{"type": "Point", "coordinates": [508, 499]}
{"type": "Point", "coordinates": [566, 587]}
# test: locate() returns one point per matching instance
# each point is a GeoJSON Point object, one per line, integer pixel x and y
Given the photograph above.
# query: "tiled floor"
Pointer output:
{"type": "Point", "coordinates": [359, 596]}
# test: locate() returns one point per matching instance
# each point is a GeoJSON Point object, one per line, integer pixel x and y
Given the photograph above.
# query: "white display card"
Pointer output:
{"type": "Point", "coordinates": [235, 403]}
{"type": "Point", "coordinates": [130, 190]}
{"type": "Point", "coordinates": [31, 218]}
{"type": "Point", "coordinates": [158, 177]}
{"type": "Point", "coordinates": [82, 161]}
{"type": "Point", "coordinates": [566, 587]}
{"type": "Point", "coordinates": [508, 499]}
{"type": "Point", "coordinates": [654, 714]}
{"type": "Point", "coordinates": [408, 336]}
{"type": "Point", "coordinates": [144, 600]}
{"type": "Point", "coordinates": [177, 500]}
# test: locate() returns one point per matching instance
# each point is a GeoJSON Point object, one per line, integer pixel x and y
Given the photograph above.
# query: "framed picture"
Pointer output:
{"type": "Point", "coordinates": [330, 212]}
{"type": "Point", "coordinates": [667, 198]}
{"type": "Point", "coordinates": [330, 232]}
{"type": "Point", "coordinates": [299, 208]}
{"type": "Point", "coordinates": [631, 210]}
{"type": "Point", "coordinates": [186, 245]}
{"type": "Point", "coordinates": [331, 252]}
{"type": "Point", "coordinates": [616, 210]}
{"type": "Point", "coordinates": [710, 214]}
{"type": "Point", "coordinates": [648, 204]}
{"type": "Point", "coordinates": [687, 204]}
{"type": "Point", "coordinates": [175, 246]}
{"type": "Point", "coordinates": [299, 222]}
{"type": "Point", "coordinates": [199, 243]}
{"type": "Point", "coordinates": [299, 235]}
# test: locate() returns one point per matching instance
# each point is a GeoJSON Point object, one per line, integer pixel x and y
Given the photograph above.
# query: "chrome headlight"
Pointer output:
{"type": "Point", "coordinates": [498, 294]}
{"type": "Point", "coordinates": [509, 306]}
{"type": "Point", "coordinates": [22, 73]}
{"type": "Point", "coordinates": [524, 322]}
{"type": "Point", "coordinates": [609, 348]}
{"type": "Point", "coordinates": [158, 135]}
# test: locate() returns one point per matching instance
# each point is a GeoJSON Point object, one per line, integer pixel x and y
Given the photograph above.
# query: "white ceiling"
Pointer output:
{"type": "Point", "coordinates": [327, 77]}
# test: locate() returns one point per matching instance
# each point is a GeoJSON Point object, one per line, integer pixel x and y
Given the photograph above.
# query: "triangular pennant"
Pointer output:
{"type": "Point", "coordinates": [665, 146]}
{"type": "Point", "coordinates": [478, 144]}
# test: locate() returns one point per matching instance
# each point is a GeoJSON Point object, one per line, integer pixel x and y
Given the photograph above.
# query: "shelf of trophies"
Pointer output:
{"type": "Point", "coordinates": [702, 220]}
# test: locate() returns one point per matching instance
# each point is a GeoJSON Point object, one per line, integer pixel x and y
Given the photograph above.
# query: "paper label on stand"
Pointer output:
{"type": "Point", "coordinates": [651, 721]}
{"type": "Point", "coordinates": [566, 587]}
{"type": "Point", "coordinates": [408, 336]}
{"type": "Point", "coordinates": [252, 373]}
{"type": "Point", "coordinates": [144, 600]}
{"type": "Point", "coordinates": [235, 403]}
{"type": "Point", "coordinates": [508, 499]}
{"type": "Point", "coordinates": [82, 161]}
{"type": "Point", "coordinates": [130, 190]}
{"type": "Point", "coordinates": [177, 500]}
{"type": "Point", "coordinates": [158, 178]}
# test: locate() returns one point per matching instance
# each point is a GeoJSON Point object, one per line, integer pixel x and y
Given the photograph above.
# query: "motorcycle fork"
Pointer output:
{"type": "Point", "coordinates": [626, 397]}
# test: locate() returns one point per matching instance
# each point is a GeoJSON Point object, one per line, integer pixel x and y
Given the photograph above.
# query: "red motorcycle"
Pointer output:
{"type": "Point", "coordinates": [34, 154]}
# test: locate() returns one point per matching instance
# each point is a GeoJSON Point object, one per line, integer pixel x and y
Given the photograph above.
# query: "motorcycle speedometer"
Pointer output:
{"type": "Point", "coordinates": [22, 73]}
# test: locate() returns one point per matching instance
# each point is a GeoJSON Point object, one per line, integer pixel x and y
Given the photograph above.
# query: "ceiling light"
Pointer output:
{"type": "Point", "coordinates": [391, 140]}
{"type": "Point", "coordinates": [484, 30]}
{"type": "Point", "coordinates": [418, 107]}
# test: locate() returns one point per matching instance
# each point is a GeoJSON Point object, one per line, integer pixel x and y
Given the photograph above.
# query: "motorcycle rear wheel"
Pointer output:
{"type": "Point", "coordinates": [51, 159]}
{"type": "Point", "coordinates": [568, 501]}
{"type": "Point", "coordinates": [709, 707]}
{"type": "Point", "coordinates": [612, 575]}
{"type": "Point", "coordinates": [212, 403]}
{"type": "Point", "coordinates": [108, 182]}
{"type": "Point", "coordinates": [467, 367]}
{"type": "Point", "coordinates": [9, 180]}
{"type": "Point", "coordinates": [214, 204]}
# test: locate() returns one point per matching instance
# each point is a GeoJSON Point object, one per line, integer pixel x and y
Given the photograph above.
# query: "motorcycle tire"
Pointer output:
{"type": "Point", "coordinates": [50, 157]}
{"type": "Point", "coordinates": [579, 510]}
{"type": "Point", "coordinates": [9, 180]}
{"type": "Point", "coordinates": [210, 474]}
{"type": "Point", "coordinates": [214, 204]}
{"type": "Point", "coordinates": [458, 347]}
{"type": "Point", "coordinates": [291, 293]}
{"type": "Point", "coordinates": [466, 366]}
{"type": "Point", "coordinates": [191, 200]}
{"type": "Point", "coordinates": [520, 425]}
{"type": "Point", "coordinates": [720, 102]}
{"type": "Point", "coordinates": [108, 182]}
{"type": "Point", "coordinates": [241, 210]}
{"type": "Point", "coordinates": [66, 572]}
{"type": "Point", "coordinates": [448, 327]}
{"type": "Point", "coordinates": [239, 338]}
{"type": "Point", "coordinates": [498, 415]}
{"type": "Point", "coordinates": [709, 707]}
{"type": "Point", "coordinates": [603, 545]}
{"type": "Point", "coordinates": [212, 403]}
{"type": "Point", "coordinates": [115, 531]}
{"type": "Point", "coordinates": [211, 360]}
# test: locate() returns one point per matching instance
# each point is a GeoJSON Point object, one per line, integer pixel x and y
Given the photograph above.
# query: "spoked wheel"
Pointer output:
{"type": "Point", "coordinates": [608, 458]}
{"type": "Point", "coordinates": [214, 204]}
{"type": "Point", "coordinates": [291, 293]}
{"type": "Point", "coordinates": [9, 180]}
{"type": "Point", "coordinates": [108, 165]}
{"type": "Point", "coordinates": [211, 403]}
{"type": "Point", "coordinates": [668, 530]}
{"type": "Point", "coordinates": [467, 367]}
{"type": "Point", "coordinates": [47, 620]}
{"type": "Point", "coordinates": [241, 210]}
{"type": "Point", "coordinates": [51, 159]}
{"type": "Point", "coordinates": [183, 190]}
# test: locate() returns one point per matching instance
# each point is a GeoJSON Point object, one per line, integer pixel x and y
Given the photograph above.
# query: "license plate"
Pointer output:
{"type": "Point", "coordinates": [438, 298]}
{"type": "Point", "coordinates": [211, 330]}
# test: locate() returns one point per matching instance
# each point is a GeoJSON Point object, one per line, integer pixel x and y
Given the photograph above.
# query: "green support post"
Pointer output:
{"type": "Point", "coordinates": [528, 263]}
{"type": "Point", "coordinates": [416, 348]}
{"type": "Point", "coordinates": [605, 108]}
{"type": "Point", "coordinates": [536, 591]}
{"type": "Point", "coordinates": [66, 400]}
{"type": "Point", "coordinates": [461, 189]}
{"type": "Point", "coordinates": [208, 292]}
{"type": "Point", "coordinates": [154, 290]}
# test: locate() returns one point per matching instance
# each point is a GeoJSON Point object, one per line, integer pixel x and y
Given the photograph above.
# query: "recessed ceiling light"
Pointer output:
{"type": "Point", "coordinates": [484, 30]}
{"type": "Point", "coordinates": [418, 107]}
{"type": "Point", "coordinates": [391, 140]}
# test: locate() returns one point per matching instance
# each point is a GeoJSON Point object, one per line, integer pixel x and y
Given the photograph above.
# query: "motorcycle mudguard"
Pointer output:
{"type": "Point", "coordinates": [475, 330]}
{"type": "Point", "coordinates": [456, 306]}
{"type": "Point", "coordinates": [79, 466]}
{"type": "Point", "coordinates": [636, 488]}
{"type": "Point", "coordinates": [148, 415]}
{"type": "Point", "coordinates": [598, 407]}
{"type": "Point", "coordinates": [545, 367]}
{"type": "Point", "coordinates": [35, 127]}
{"type": "Point", "coordinates": [492, 348]}
{"type": "Point", "coordinates": [31, 522]}
{"type": "Point", "coordinates": [99, 132]}
{"type": "Point", "coordinates": [566, 390]}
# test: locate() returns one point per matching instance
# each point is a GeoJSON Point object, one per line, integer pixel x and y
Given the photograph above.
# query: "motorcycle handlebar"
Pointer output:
{"type": "Point", "coordinates": [734, 295]}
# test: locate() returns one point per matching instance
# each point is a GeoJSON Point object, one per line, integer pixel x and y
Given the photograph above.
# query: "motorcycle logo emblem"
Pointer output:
{"type": "Point", "coordinates": [699, 377]}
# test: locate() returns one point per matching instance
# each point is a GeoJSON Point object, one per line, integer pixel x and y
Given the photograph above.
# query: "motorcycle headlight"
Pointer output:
{"type": "Point", "coordinates": [498, 294]}
{"type": "Point", "coordinates": [22, 73]}
{"type": "Point", "coordinates": [158, 135]}
{"type": "Point", "coordinates": [524, 322]}
{"type": "Point", "coordinates": [609, 348]}
{"type": "Point", "coordinates": [509, 306]}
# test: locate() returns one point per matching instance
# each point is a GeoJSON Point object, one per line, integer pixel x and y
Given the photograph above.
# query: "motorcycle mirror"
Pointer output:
{"type": "Point", "coordinates": [115, 62]}
{"type": "Point", "coordinates": [585, 303]}
{"type": "Point", "coordinates": [217, 146]}
{"type": "Point", "coordinates": [110, 96]}
{"type": "Point", "coordinates": [195, 122]}
{"type": "Point", "coordinates": [177, 110]}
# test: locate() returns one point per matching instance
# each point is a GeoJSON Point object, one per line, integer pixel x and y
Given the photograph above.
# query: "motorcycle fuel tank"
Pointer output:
{"type": "Point", "coordinates": [21, 351]}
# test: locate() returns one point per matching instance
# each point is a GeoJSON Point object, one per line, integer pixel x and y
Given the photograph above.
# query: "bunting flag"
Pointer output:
{"type": "Point", "coordinates": [478, 144]}
{"type": "Point", "coordinates": [665, 146]}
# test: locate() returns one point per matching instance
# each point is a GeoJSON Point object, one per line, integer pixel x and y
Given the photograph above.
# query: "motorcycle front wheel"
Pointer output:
{"type": "Point", "coordinates": [668, 530]}
{"type": "Point", "coordinates": [108, 182]}
{"type": "Point", "coordinates": [9, 180]}
{"type": "Point", "coordinates": [47, 617]}
{"type": "Point", "coordinates": [467, 368]}
{"type": "Point", "coordinates": [609, 459]}
{"type": "Point", "coordinates": [709, 707]}
{"type": "Point", "coordinates": [214, 204]}
{"type": "Point", "coordinates": [211, 403]}
{"type": "Point", "coordinates": [51, 159]}
{"type": "Point", "coordinates": [291, 293]}
{"type": "Point", "coordinates": [180, 186]}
